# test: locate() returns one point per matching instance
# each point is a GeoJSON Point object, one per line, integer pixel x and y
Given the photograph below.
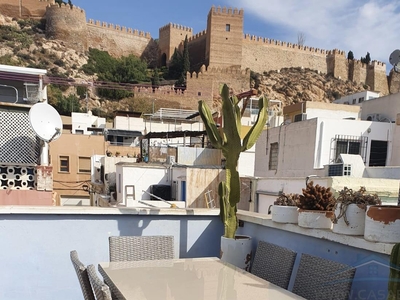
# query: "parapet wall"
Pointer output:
{"type": "Point", "coordinates": [69, 24]}
{"type": "Point", "coordinates": [205, 84]}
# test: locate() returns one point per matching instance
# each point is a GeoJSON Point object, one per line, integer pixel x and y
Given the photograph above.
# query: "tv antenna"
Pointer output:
{"type": "Point", "coordinates": [394, 60]}
{"type": "Point", "coordinates": [45, 121]}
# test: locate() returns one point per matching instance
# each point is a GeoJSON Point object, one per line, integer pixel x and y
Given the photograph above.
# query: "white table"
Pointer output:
{"type": "Point", "coordinates": [187, 279]}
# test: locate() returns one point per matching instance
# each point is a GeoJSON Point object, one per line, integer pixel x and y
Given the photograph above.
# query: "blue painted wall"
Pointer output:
{"type": "Point", "coordinates": [372, 269]}
{"type": "Point", "coordinates": [35, 262]}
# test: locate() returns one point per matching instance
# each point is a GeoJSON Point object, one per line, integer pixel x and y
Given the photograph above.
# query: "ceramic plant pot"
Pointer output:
{"type": "Point", "coordinates": [285, 214]}
{"type": "Point", "coordinates": [319, 219]}
{"type": "Point", "coordinates": [355, 215]}
{"type": "Point", "coordinates": [382, 224]}
{"type": "Point", "coordinates": [237, 251]}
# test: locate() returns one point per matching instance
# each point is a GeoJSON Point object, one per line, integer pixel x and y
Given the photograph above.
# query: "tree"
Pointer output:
{"type": "Point", "coordinates": [366, 59]}
{"type": "Point", "coordinates": [350, 55]}
{"type": "Point", "coordinates": [70, 3]}
{"type": "Point", "coordinates": [175, 66]}
{"type": "Point", "coordinates": [186, 60]}
{"type": "Point", "coordinates": [155, 81]}
{"type": "Point", "coordinates": [301, 38]}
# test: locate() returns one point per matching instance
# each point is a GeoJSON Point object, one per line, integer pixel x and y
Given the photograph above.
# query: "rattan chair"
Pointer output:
{"type": "Point", "coordinates": [318, 278]}
{"type": "Point", "coordinates": [101, 290]}
{"type": "Point", "coordinates": [134, 248]}
{"type": "Point", "coordinates": [83, 277]}
{"type": "Point", "coordinates": [273, 263]}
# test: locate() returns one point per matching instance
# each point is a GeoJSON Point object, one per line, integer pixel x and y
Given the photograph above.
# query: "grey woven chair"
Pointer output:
{"type": "Point", "coordinates": [134, 248]}
{"type": "Point", "coordinates": [101, 290]}
{"type": "Point", "coordinates": [83, 277]}
{"type": "Point", "coordinates": [273, 263]}
{"type": "Point", "coordinates": [318, 278]}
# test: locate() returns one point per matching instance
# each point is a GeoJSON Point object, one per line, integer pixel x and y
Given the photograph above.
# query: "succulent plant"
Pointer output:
{"type": "Point", "coordinates": [394, 275]}
{"type": "Point", "coordinates": [287, 200]}
{"type": "Point", "coordinates": [361, 198]}
{"type": "Point", "coordinates": [228, 140]}
{"type": "Point", "coordinates": [316, 198]}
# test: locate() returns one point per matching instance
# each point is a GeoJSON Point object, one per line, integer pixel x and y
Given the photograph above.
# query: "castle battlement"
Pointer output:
{"type": "Point", "coordinates": [336, 52]}
{"type": "Point", "coordinates": [197, 35]}
{"type": "Point", "coordinates": [212, 71]}
{"type": "Point", "coordinates": [257, 39]}
{"type": "Point", "coordinates": [175, 26]}
{"type": "Point", "coordinates": [65, 6]}
{"type": "Point", "coordinates": [119, 28]}
{"type": "Point", "coordinates": [226, 11]}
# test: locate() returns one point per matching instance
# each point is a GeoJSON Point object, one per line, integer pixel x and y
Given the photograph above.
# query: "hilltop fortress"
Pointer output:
{"type": "Point", "coordinates": [220, 53]}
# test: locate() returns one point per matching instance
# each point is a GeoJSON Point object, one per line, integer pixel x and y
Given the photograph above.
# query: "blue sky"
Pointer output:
{"type": "Point", "coordinates": [356, 25]}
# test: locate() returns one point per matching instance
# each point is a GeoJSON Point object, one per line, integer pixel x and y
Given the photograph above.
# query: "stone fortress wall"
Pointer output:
{"type": "Point", "coordinates": [34, 9]}
{"type": "Point", "coordinates": [216, 47]}
{"type": "Point", "coordinates": [69, 24]}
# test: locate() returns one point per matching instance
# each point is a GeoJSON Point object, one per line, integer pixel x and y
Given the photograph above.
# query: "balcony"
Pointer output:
{"type": "Point", "coordinates": [37, 241]}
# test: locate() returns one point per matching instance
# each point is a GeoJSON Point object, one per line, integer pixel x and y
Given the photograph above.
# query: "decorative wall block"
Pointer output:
{"type": "Point", "coordinates": [17, 177]}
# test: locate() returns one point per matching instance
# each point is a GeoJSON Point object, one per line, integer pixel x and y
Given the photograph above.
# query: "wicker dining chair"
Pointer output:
{"type": "Point", "coordinates": [83, 277]}
{"type": "Point", "coordinates": [273, 263]}
{"type": "Point", "coordinates": [134, 248]}
{"type": "Point", "coordinates": [318, 278]}
{"type": "Point", "coordinates": [101, 290]}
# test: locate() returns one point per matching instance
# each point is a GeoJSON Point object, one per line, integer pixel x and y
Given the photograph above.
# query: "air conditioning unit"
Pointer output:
{"type": "Point", "coordinates": [373, 117]}
{"type": "Point", "coordinates": [300, 117]}
{"type": "Point", "coordinates": [171, 159]}
{"type": "Point", "coordinates": [339, 169]}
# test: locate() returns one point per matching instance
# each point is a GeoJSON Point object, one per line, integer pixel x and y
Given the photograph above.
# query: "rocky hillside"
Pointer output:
{"type": "Point", "coordinates": [23, 43]}
{"type": "Point", "coordinates": [292, 85]}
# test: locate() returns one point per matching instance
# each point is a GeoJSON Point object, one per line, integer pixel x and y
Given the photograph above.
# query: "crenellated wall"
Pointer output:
{"type": "Point", "coordinates": [69, 24]}
{"type": "Point", "coordinates": [223, 46]}
{"type": "Point", "coordinates": [117, 40]}
{"type": "Point", "coordinates": [206, 83]}
{"type": "Point", "coordinates": [262, 54]}
{"type": "Point", "coordinates": [170, 37]}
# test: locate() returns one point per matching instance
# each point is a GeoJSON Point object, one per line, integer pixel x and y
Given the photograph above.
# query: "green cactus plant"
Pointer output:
{"type": "Point", "coordinates": [394, 276]}
{"type": "Point", "coordinates": [228, 140]}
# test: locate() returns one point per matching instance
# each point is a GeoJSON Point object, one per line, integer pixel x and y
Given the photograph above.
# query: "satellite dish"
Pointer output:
{"type": "Point", "coordinates": [394, 60]}
{"type": "Point", "coordinates": [45, 121]}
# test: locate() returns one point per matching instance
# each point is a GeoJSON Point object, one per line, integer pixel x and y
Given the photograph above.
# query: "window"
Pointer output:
{"type": "Point", "coordinates": [378, 153]}
{"type": "Point", "coordinates": [360, 99]}
{"type": "Point", "coordinates": [84, 164]}
{"type": "Point", "coordinates": [198, 93]}
{"type": "Point", "coordinates": [64, 163]}
{"type": "Point", "coordinates": [78, 131]}
{"type": "Point", "coordinates": [273, 157]}
{"type": "Point", "coordinates": [354, 101]}
{"type": "Point", "coordinates": [228, 27]}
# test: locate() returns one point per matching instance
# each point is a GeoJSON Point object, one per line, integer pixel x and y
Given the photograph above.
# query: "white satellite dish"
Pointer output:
{"type": "Point", "coordinates": [45, 121]}
{"type": "Point", "coordinates": [394, 60]}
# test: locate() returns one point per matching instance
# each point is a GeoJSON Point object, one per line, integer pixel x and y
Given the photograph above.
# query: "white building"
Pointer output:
{"type": "Point", "coordinates": [83, 123]}
{"type": "Point", "coordinates": [357, 98]}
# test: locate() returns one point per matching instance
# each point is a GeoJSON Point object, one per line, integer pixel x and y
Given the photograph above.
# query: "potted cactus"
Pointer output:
{"type": "Point", "coordinates": [285, 208]}
{"type": "Point", "coordinates": [228, 140]}
{"type": "Point", "coordinates": [349, 216]}
{"type": "Point", "coordinates": [316, 207]}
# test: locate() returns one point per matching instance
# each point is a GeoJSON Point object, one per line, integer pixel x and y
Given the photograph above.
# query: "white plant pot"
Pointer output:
{"type": "Point", "coordinates": [355, 215]}
{"type": "Point", "coordinates": [382, 224]}
{"type": "Point", "coordinates": [237, 252]}
{"type": "Point", "coordinates": [285, 214]}
{"type": "Point", "coordinates": [319, 219]}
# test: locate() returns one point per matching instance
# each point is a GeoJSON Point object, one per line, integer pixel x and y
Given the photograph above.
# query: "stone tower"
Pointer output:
{"type": "Point", "coordinates": [68, 24]}
{"type": "Point", "coordinates": [224, 37]}
{"type": "Point", "coordinates": [170, 36]}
